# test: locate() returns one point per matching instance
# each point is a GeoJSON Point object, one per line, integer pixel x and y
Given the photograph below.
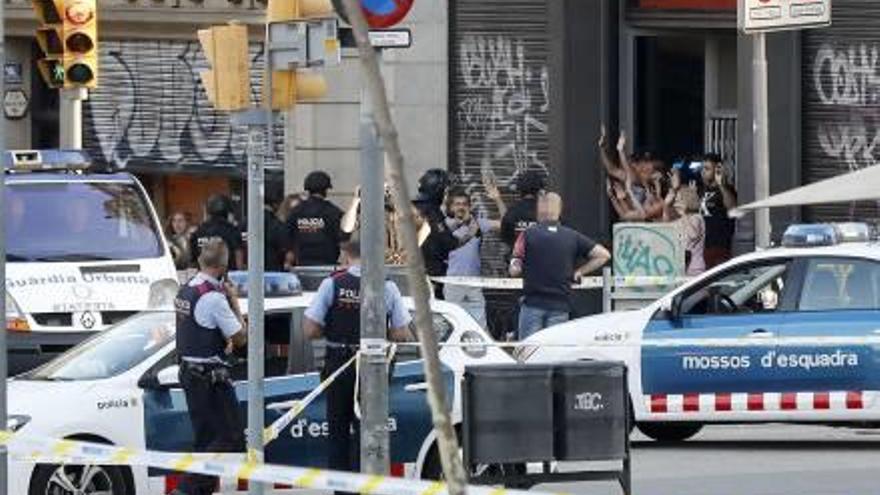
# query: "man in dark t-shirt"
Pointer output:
{"type": "Point", "coordinates": [717, 197]}
{"type": "Point", "coordinates": [546, 256]}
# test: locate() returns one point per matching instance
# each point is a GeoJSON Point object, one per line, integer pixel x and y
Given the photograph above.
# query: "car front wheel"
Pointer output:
{"type": "Point", "coordinates": [77, 480]}
{"type": "Point", "coordinates": [670, 432]}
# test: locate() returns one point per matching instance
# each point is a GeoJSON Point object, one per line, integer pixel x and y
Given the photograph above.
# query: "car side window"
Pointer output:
{"type": "Point", "coordinates": [839, 284]}
{"type": "Point", "coordinates": [753, 288]}
{"type": "Point", "coordinates": [442, 329]}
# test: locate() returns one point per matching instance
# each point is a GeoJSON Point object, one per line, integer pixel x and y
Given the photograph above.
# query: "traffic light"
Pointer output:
{"type": "Point", "coordinates": [289, 86]}
{"type": "Point", "coordinates": [80, 33]}
{"type": "Point", "coordinates": [49, 37]}
{"type": "Point", "coordinates": [228, 83]}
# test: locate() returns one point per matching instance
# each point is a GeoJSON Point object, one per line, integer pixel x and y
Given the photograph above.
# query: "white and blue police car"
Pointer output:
{"type": "Point", "coordinates": [84, 250]}
{"type": "Point", "coordinates": [120, 388]}
{"type": "Point", "coordinates": [788, 334]}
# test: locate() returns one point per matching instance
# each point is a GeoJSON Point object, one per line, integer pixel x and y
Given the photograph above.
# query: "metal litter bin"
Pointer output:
{"type": "Point", "coordinates": [591, 409]}
{"type": "Point", "coordinates": [509, 414]}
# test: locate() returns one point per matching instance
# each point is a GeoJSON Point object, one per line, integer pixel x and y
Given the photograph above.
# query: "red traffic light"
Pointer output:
{"type": "Point", "coordinates": [380, 14]}
{"type": "Point", "coordinates": [79, 13]}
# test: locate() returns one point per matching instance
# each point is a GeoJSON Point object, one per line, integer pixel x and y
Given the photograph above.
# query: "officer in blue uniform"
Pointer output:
{"type": "Point", "coordinates": [209, 327]}
{"type": "Point", "coordinates": [335, 315]}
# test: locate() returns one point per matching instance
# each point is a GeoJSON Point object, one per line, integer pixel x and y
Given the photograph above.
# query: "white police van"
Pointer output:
{"type": "Point", "coordinates": [84, 250]}
{"type": "Point", "coordinates": [120, 387]}
{"type": "Point", "coordinates": [789, 334]}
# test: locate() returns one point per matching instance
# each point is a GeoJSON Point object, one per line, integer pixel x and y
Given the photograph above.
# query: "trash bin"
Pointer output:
{"type": "Point", "coordinates": [591, 408]}
{"type": "Point", "coordinates": [508, 413]}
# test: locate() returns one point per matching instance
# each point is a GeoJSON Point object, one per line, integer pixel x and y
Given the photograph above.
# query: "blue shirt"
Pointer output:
{"type": "Point", "coordinates": [465, 261]}
{"type": "Point", "coordinates": [398, 316]}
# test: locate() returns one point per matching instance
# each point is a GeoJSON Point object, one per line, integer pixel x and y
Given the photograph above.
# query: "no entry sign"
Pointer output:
{"type": "Point", "coordinates": [777, 15]}
{"type": "Point", "coordinates": [380, 14]}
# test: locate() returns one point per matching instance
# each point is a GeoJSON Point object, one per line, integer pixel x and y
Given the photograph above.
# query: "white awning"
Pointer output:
{"type": "Point", "coordinates": [860, 185]}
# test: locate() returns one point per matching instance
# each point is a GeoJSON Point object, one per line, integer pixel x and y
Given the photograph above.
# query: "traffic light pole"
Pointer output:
{"type": "Point", "coordinates": [70, 121]}
{"type": "Point", "coordinates": [374, 453]}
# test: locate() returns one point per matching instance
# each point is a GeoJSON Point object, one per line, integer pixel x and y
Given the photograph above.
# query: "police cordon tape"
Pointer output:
{"type": "Point", "coordinates": [273, 431]}
{"type": "Point", "coordinates": [34, 448]}
{"type": "Point", "coordinates": [619, 282]}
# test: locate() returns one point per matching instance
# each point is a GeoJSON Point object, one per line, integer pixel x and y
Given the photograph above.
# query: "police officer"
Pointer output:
{"type": "Point", "coordinates": [522, 214]}
{"type": "Point", "coordinates": [218, 208]}
{"type": "Point", "coordinates": [313, 225]}
{"type": "Point", "coordinates": [335, 315]}
{"type": "Point", "coordinates": [209, 326]}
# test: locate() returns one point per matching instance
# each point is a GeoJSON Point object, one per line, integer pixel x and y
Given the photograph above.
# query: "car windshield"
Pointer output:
{"type": "Point", "coordinates": [61, 222]}
{"type": "Point", "coordinates": [112, 352]}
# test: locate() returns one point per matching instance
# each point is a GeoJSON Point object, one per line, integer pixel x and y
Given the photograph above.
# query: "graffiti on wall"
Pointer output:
{"type": "Point", "coordinates": [502, 109]}
{"type": "Point", "coordinates": [151, 109]}
{"type": "Point", "coordinates": [846, 77]}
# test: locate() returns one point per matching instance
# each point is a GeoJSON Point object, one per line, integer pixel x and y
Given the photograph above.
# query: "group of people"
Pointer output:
{"type": "Point", "coordinates": [696, 195]}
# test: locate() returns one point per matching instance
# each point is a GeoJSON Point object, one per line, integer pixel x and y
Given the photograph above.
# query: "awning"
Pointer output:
{"type": "Point", "coordinates": [861, 185]}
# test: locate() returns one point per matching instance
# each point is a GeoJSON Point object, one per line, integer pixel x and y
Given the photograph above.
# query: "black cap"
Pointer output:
{"type": "Point", "coordinates": [218, 205]}
{"type": "Point", "coordinates": [530, 182]}
{"type": "Point", "coordinates": [317, 182]}
{"type": "Point", "coordinates": [433, 184]}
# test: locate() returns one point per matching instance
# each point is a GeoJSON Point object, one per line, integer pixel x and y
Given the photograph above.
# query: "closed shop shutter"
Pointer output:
{"type": "Point", "coordinates": [499, 98]}
{"type": "Point", "coordinates": [150, 113]}
{"type": "Point", "coordinates": [841, 107]}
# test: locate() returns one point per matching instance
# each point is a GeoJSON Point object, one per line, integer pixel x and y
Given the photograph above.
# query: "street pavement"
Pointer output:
{"type": "Point", "coordinates": [753, 460]}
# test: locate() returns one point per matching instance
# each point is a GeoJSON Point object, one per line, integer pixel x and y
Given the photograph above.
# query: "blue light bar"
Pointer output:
{"type": "Point", "coordinates": [275, 284]}
{"type": "Point", "coordinates": [811, 235]}
{"type": "Point", "coordinates": [45, 160]}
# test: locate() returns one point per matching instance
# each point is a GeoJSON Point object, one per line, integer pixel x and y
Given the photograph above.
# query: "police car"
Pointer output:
{"type": "Point", "coordinates": [120, 387]}
{"type": "Point", "coordinates": [84, 251]}
{"type": "Point", "coordinates": [789, 334]}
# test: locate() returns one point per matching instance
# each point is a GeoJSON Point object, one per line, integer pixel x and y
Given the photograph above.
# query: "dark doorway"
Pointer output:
{"type": "Point", "coordinates": [669, 84]}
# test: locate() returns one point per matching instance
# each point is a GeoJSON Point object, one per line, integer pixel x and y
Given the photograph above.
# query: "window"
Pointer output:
{"type": "Point", "coordinates": [835, 284]}
{"type": "Point", "coordinates": [746, 289]}
{"type": "Point", "coordinates": [61, 221]}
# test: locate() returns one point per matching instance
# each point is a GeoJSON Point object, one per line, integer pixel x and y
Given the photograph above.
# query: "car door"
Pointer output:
{"type": "Point", "coordinates": [829, 349]}
{"type": "Point", "coordinates": [707, 354]}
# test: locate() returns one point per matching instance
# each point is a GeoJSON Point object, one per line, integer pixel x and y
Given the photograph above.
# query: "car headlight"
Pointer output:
{"type": "Point", "coordinates": [162, 294]}
{"type": "Point", "coordinates": [15, 422]}
{"type": "Point", "coordinates": [15, 318]}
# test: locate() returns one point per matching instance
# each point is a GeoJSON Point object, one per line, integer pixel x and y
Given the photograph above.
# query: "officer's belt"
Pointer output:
{"type": "Point", "coordinates": [202, 367]}
{"type": "Point", "coordinates": [342, 347]}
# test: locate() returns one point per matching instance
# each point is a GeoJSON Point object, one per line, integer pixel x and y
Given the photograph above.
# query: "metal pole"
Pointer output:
{"type": "Point", "coordinates": [760, 131]}
{"type": "Point", "coordinates": [373, 371]}
{"type": "Point", "coordinates": [4, 479]}
{"type": "Point", "coordinates": [70, 109]}
{"type": "Point", "coordinates": [256, 347]}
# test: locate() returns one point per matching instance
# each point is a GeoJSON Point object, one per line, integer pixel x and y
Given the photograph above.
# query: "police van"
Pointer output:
{"type": "Point", "coordinates": [84, 250]}
{"type": "Point", "coordinates": [789, 334]}
{"type": "Point", "coordinates": [121, 387]}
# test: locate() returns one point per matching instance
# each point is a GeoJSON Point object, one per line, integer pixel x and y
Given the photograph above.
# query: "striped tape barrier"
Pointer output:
{"type": "Point", "coordinates": [274, 430]}
{"type": "Point", "coordinates": [618, 282]}
{"type": "Point", "coordinates": [33, 448]}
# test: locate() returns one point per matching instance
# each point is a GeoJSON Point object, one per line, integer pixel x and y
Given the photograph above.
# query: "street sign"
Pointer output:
{"type": "Point", "coordinates": [779, 15]}
{"type": "Point", "coordinates": [391, 38]}
{"type": "Point", "coordinates": [15, 104]}
{"type": "Point", "coordinates": [380, 14]}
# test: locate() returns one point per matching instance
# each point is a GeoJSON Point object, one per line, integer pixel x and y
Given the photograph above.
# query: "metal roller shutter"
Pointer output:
{"type": "Point", "coordinates": [841, 107]}
{"type": "Point", "coordinates": [150, 112]}
{"type": "Point", "coordinates": [499, 98]}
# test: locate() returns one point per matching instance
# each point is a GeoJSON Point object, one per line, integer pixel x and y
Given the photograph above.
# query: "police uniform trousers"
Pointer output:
{"type": "Point", "coordinates": [343, 453]}
{"type": "Point", "coordinates": [216, 420]}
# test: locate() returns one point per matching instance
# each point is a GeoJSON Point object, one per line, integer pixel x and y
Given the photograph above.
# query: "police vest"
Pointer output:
{"type": "Point", "coordinates": [194, 340]}
{"type": "Point", "coordinates": [343, 325]}
{"type": "Point", "coordinates": [315, 223]}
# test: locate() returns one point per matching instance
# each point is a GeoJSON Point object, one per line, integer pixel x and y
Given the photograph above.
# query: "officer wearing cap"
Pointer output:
{"type": "Point", "coordinates": [209, 326]}
{"type": "Point", "coordinates": [313, 226]}
{"type": "Point", "coordinates": [522, 214]}
{"type": "Point", "coordinates": [217, 226]}
{"type": "Point", "coordinates": [335, 316]}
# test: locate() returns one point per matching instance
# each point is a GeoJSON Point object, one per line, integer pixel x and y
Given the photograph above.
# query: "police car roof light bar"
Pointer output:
{"type": "Point", "coordinates": [46, 160]}
{"type": "Point", "coordinates": [811, 235]}
{"type": "Point", "coordinates": [277, 284]}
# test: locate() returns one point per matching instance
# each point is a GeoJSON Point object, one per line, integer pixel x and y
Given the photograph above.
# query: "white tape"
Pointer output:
{"type": "Point", "coordinates": [617, 282]}
{"type": "Point", "coordinates": [32, 448]}
{"type": "Point", "coordinates": [273, 431]}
